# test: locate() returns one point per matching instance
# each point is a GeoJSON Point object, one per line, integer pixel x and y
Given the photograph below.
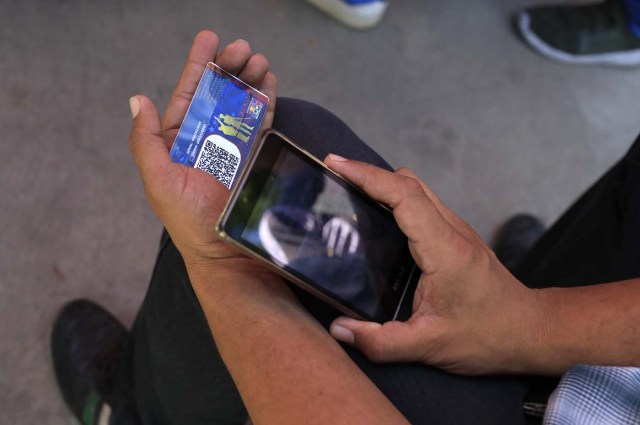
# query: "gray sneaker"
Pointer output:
{"type": "Point", "coordinates": [586, 34]}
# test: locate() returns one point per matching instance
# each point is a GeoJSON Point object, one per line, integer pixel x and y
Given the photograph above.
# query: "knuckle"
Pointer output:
{"type": "Point", "coordinates": [261, 60]}
{"type": "Point", "coordinates": [207, 34]}
{"type": "Point", "coordinates": [406, 171]}
{"type": "Point", "coordinates": [242, 43]}
{"type": "Point", "coordinates": [411, 184]}
{"type": "Point", "coordinates": [376, 350]}
{"type": "Point", "coordinates": [134, 141]}
{"type": "Point", "coordinates": [467, 252]}
{"type": "Point", "coordinates": [367, 176]}
{"type": "Point", "coordinates": [459, 246]}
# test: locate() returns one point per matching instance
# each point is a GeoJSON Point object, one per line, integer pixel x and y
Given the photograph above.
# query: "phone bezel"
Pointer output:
{"type": "Point", "coordinates": [410, 276]}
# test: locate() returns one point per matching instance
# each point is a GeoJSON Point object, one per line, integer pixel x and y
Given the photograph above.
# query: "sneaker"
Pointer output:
{"type": "Point", "coordinates": [289, 232]}
{"type": "Point", "coordinates": [87, 344]}
{"type": "Point", "coordinates": [515, 239]}
{"type": "Point", "coordinates": [357, 14]}
{"type": "Point", "coordinates": [586, 34]}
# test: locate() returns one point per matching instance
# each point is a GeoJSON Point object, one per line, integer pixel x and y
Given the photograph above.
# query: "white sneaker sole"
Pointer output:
{"type": "Point", "coordinates": [360, 17]}
{"type": "Point", "coordinates": [626, 58]}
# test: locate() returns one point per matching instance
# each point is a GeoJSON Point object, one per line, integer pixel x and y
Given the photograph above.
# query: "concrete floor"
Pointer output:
{"type": "Point", "coordinates": [442, 87]}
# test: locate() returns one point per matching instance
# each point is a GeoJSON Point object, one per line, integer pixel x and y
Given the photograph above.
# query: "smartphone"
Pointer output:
{"type": "Point", "coordinates": [320, 232]}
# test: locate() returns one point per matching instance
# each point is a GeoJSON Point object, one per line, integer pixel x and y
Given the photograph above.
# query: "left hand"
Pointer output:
{"type": "Point", "coordinates": [189, 201]}
{"type": "Point", "coordinates": [282, 361]}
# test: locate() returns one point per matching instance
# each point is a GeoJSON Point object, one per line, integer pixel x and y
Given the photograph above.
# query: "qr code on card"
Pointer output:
{"type": "Point", "coordinates": [220, 158]}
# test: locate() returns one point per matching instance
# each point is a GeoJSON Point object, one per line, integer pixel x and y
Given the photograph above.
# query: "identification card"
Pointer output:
{"type": "Point", "coordinates": [220, 126]}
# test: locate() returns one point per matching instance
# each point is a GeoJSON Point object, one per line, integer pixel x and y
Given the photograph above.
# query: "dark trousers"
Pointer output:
{"type": "Point", "coordinates": [172, 372]}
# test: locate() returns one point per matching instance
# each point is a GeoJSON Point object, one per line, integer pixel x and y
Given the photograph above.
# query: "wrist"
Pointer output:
{"type": "Point", "coordinates": [521, 343]}
{"type": "Point", "coordinates": [234, 287]}
{"type": "Point", "coordinates": [542, 349]}
{"type": "Point", "coordinates": [219, 271]}
{"type": "Point", "coordinates": [560, 341]}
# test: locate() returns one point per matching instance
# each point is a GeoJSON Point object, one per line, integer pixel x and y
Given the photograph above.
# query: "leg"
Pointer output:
{"type": "Point", "coordinates": [320, 132]}
{"type": "Point", "coordinates": [596, 240]}
{"type": "Point", "coordinates": [173, 373]}
{"type": "Point", "coordinates": [423, 394]}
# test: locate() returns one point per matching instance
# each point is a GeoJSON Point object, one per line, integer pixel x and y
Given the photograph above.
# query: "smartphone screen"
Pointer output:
{"type": "Point", "coordinates": [306, 220]}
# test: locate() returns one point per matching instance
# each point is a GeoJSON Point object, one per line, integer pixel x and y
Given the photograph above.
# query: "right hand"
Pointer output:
{"type": "Point", "coordinates": [470, 315]}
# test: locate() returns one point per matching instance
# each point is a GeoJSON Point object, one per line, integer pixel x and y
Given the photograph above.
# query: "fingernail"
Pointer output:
{"type": "Point", "coordinates": [342, 334]}
{"type": "Point", "coordinates": [134, 104]}
{"type": "Point", "coordinates": [337, 158]}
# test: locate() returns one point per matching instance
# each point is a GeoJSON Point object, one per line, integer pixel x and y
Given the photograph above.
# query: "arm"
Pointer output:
{"type": "Point", "coordinates": [287, 368]}
{"type": "Point", "coordinates": [470, 315]}
{"type": "Point", "coordinates": [597, 325]}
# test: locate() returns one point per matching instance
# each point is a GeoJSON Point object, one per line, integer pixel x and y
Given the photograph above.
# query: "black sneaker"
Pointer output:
{"type": "Point", "coordinates": [515, 238]}
{"type": "Point", "coordinates": [585, 34]}
{"type": "Point", "coordinates": [87, 344]}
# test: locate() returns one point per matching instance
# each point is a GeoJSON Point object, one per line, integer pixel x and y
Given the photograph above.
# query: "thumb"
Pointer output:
{"type": "Point", "coordinates": [389, 342]}
{"type": "Point", "coordinates": [145, 140]}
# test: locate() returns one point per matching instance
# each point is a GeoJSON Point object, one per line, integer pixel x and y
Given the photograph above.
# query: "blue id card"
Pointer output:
{"type": "Point", "coordinates": [220, 126]}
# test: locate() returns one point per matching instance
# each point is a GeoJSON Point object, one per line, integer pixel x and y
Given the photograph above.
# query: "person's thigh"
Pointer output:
{"type": "Point", "coordinates": [174, 374]}
{"type": "Point", "coordinates": [598, 239]}
{"type": "Point", "coordinates": [423, 394]}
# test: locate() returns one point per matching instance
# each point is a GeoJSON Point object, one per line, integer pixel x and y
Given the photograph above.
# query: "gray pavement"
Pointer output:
{"type": "Point", "coordinates": [442, 87]}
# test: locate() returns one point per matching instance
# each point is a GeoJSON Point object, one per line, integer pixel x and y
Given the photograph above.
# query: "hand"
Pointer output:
{"type": "Point", "coordinates": [283, 362]}
{"type": "Point", "coordinates": [470, 315]}
{"type": "Point", "coordinates": [189, 201]}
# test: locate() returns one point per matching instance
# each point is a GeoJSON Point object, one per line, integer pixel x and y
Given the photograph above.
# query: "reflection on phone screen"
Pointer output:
{"type": "Point", "coordinates": [307, 222]}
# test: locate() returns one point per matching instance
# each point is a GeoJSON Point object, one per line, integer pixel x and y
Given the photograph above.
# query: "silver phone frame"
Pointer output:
{"type": "Point", "coordinates": [235, 193]}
